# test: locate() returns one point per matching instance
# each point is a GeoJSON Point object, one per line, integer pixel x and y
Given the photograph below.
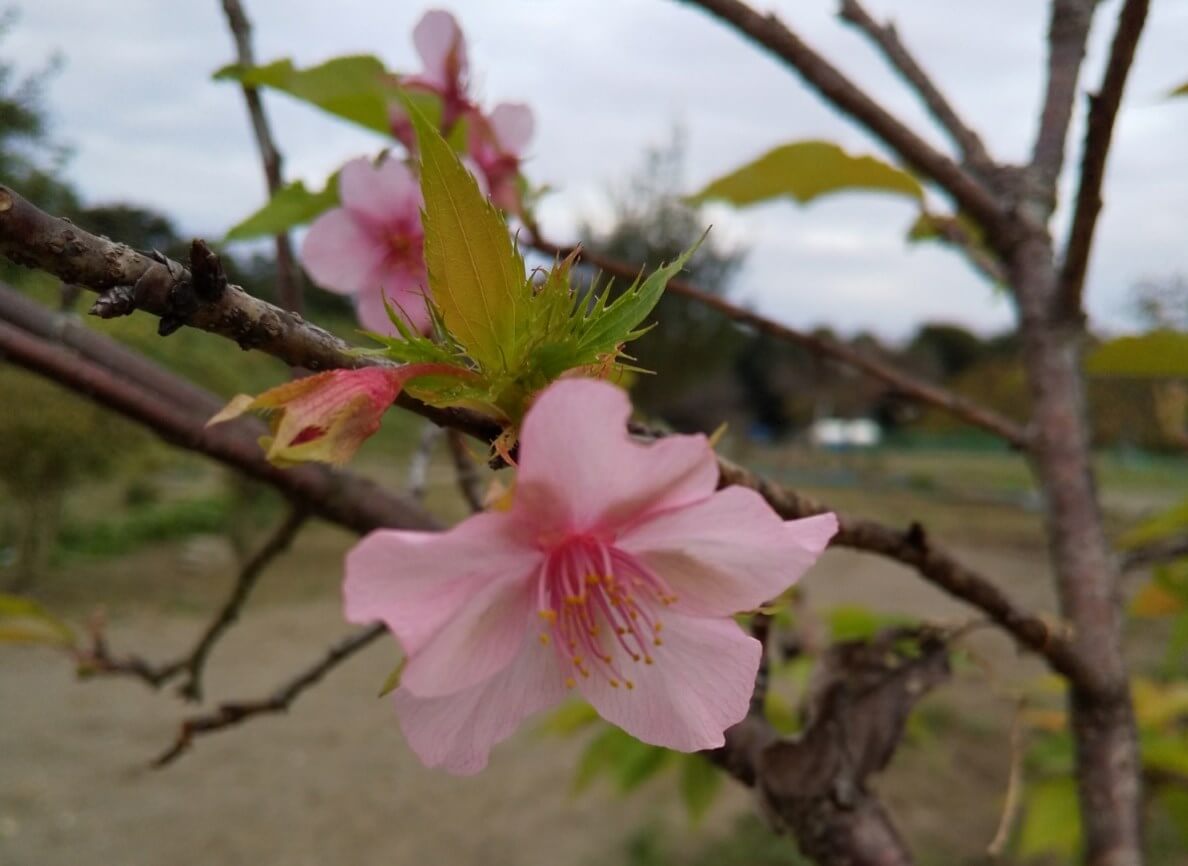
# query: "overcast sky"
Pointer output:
{"type": "Point", "coordinates": [606, 79]}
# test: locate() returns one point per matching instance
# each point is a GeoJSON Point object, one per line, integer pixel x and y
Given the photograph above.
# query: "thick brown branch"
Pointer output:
{"type": "Point", "coordinates": [1103, 113]}
{"type": "Point", "coordinates": [195, 663]}
{"type": "Point", "coordinates": [903, 383]}
{"type": "Point", "coordinates": [886, 38]}
{"type": "Point", "coordinates": [337, 496]}
{"type": "Point", "coordinates": [288, 277]}
{"type": "Point", "coordinates": [1068, 32]}
{"type": "Point", "coordinates": [236, 712]}
{"type": "Point", "coordinates": [773, 35]}
{"type": "Point", "coordinates": [128, 280]}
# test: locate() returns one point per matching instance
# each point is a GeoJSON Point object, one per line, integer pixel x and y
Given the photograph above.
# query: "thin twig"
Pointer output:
{"type": "Point", "coordinates": [1103, 113]}
{"type": "Point", "coordinates": [195, 662]}
{"type": "Point", "coordinates": [288, 277]}
{"type": "Point", "coordinates": [903, 383]}
{"type": "Point", "coordinates": [761, 631]}
{"type": "Point", "coordinates": [1014, 792]}
{"type": "Point", "coordinates": [420, 462]}
{"type": "Point", "coordinates": [1164, 550]}
{"type": "Point", "coordinates": [886, 38]}
{"type": "Point", "coordinates": [1068, 33]}
{"type": "Point", "coordinates": [466, 471]}
{"type": "Point", "coordinates": [236, 712]}
{"type": "Point", "coordinates": [771, 33]}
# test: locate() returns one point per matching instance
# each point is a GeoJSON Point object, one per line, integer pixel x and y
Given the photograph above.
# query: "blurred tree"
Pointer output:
{"type": "Point", "coordinates": [694, 350]}
{"type": "Point", "coordinates": [1162, 303]}
{"type": "Point", "coordinates": [50, 440]}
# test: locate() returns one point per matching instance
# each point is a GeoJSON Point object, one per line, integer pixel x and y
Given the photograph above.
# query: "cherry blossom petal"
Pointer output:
{"type": "Point", "coordinates": [414, 582]}
{"type": "Point", "coordinates": [512, 124]}
{"type": "Point", "coordinates": [580, 469]}
{"type": "Point", "coordinates": [405, 295]}
{"type": "Point", "coordinates": [457, 731]}
{"type": "Point", "coordinates": [340, 253]}
{"type": "Point", "coordinates": [729, 553]}
{"type": "Point", "coordinates": [478, 641]}
{"type": "Point", "coordinates": [439, 40]}
{"type": "Point", "coordinates": [386, 194]}
{"type": "Point", "coordinates": [699, 685]}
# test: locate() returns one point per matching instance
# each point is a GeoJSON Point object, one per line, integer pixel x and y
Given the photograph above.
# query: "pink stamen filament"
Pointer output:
{"type": "Point", "coordinates": [589, 592]}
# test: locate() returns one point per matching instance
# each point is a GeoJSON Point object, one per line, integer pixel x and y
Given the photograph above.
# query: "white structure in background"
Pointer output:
{"type": "Point", "coordinates": [845, 433]}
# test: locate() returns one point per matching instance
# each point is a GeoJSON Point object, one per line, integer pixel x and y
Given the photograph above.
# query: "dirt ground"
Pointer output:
{"type": "Point", "coordinates": [332, 782]}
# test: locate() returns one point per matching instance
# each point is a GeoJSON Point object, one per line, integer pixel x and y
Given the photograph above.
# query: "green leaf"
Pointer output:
{"type": "Point", "coordinates": [638, 763]}
{"type": "Point", "coordinates": [23, 620]}
{"type": "Point", "coordinates": [392, 681]}
{"type": "Point", "coordinates": [807, 170]}
{"type": "Point", "coordinates": [854, 622]}
{"type": "Point", "coordinates": [1157, 355]}
{"type": "Point", "coordinates": [1052, 824]}
{"type": "Point", "coordinates": [1162, 525]}
{"type": "Point", "coordinates": [293, 205]}
{"type": "Point", "coordinates": [570, 718]}
{"type": "Point", "coordinates": [1175, 804]}
{"type": "Point", "coordinates": [355, 88]}
{"type": "Point", "coordinates": [476, 274]}
{"type": "Point", "coordinates": [700, 783]}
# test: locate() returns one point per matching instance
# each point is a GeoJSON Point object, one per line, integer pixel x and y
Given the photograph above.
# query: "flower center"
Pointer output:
{"type": "Point", "coordinates": [600, 609]}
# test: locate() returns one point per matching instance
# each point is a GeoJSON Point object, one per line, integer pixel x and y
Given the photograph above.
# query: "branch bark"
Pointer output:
{"type": "Point", "coordinates": [886, 38]}
{"type": "Point", "coordinates": [288, 277]}
{"type": "Point", "coordinates": [128, 280]}
{"type": "Point", "coordinates": [769, 32]}
{"type": "Point", "coordinates": [1103, 113]}
{"type": "Point", "coordinates": [1068, 33]}
{"type": "Point", "coordinates": [904, 383]}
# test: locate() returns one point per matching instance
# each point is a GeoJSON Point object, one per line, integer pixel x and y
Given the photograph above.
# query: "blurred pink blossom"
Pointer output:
{"type": "Point", "coordinates": [497, 144]}
{"type": "Point", "coordinates": [373, 245]}
{"type": "Point", "coordinates": [615, 572]}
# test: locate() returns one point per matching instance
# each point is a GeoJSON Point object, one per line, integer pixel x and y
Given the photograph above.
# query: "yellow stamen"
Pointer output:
{"type": "Point", "coordinates": [570, 682]}
{"type": "Point", "coordinates": [544, 639]}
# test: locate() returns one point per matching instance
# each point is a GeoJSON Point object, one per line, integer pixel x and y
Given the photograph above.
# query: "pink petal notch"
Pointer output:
{"type": "Point", "coordinates": [615, 573]}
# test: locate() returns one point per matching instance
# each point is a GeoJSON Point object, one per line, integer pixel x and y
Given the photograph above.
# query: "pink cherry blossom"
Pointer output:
{"type": "Point", "coordinates": [372, 246]}
{"type": "Point", "coordinates": [615, 573]}
{"type": "Point", "coordinates": [496, 144]}
{"type": "Point", "coordinates": [442, 47]}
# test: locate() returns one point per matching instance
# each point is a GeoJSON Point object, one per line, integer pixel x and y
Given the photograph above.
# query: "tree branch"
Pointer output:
{"type": "Point", "coordinates": [128, 280]}
{"type": "Point", "coordinates": [466, 471]}
{"type": "Point", "coordinates": [904, 383]}
{"type": "Point", "coordinates": [334, 495]}
{"type": "Point", "coordinates": [935, 565]}
{"type": "Point", "coordinates": [1103, 113]}
{"type": "Point", "coordinates": [195, 662]}
{"type": "Point", "coordinates": [288, 277]}
{"type": "Point", "coordinates": [1068, 32]}
{"type": "Point", "coordinates": [236, 712]}
{"type": "Point", "coordinates": [886, 38]}
{"type": "Point", "coordinates": [1164, 550]}
{"type": "Point", "coordinates": [773, 35]}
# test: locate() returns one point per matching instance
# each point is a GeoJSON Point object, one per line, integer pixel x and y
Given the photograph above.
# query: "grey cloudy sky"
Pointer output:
{"type": "Point", "coordinates": [607, 78]}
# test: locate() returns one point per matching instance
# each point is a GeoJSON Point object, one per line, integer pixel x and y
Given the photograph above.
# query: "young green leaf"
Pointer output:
{"type": "Point", "coordinates": [1157, 355]}
{"type": "Point", "coordinates": [355, 88]}
{"type": "Point", "coordinates": [475, 272]}
{"type": "Point", "coordinates": [293, 205]}
{"type": "Point", "coordinates": [700, 783]}
{"type": "Point", "coordinates": [807, 170]}
{"type": "Point", "coordinates": [23, 620]}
